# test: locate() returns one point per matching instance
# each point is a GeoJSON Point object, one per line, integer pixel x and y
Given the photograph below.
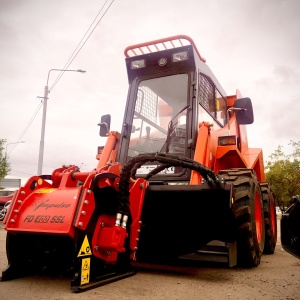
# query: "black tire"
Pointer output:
{"type": "Point", "coordinates": [270, 219]}
{"type": "Point", "coordinates": [2, 213]}
{"type": "Point", "coordinates": [248, 209]}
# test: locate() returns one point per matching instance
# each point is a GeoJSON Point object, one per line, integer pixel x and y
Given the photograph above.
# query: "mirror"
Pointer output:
{"type": "Point", "coordinates": [243, 111]}
{"type": "Point", "coordinates": [104, 125]}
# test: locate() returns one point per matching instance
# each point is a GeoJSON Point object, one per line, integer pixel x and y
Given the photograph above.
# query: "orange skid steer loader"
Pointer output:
{"type": "Point", "coordinates": [179, 182]}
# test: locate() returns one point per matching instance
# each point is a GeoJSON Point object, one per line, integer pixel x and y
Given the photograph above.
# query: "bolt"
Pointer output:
{"type": "Point", "coordinates": [96, 248]}
{"type": "Point", "coordinates": [134, 254]}
{"type": "Point", "coordinates": [89, 191]}
{"type": "Point", "coordinates": [80, 224]}
{"type": "Point", "coordinates": [102, 224]}
{"type": "Point", "coordinates": [22, 193]}
{"type": "Point", "coordinates": [12, 221]}
{"type": "Point", "coordinates": [19, 202]}
{"type": "Point", "coordinates": [86, 202]}
{"type": "Point", "coordinates": [137, 239]}
{"type": "Point", "coordinates": [83, 213]}
{"type": "Point", "coordinates": [16, 211]}
{"type": "Point", "coordinates": [108, 253]}
{"type": "Point", "coordinates": [141, 185]}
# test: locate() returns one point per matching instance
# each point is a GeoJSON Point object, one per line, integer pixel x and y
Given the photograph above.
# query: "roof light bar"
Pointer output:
{"type": "Point", "coordinates": [138, 64]}
{"type": "Point", "coordinates": [180, 56]}
{"type": "Point", "coordinates": [161, 44]}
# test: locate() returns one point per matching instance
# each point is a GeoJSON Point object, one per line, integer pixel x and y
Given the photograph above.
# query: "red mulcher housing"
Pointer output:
{"type": "Point", "coordinates": [179, 182]}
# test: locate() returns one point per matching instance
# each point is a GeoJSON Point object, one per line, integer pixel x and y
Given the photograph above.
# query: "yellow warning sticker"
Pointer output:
{"type": "Point", "coordinates": [85, 248]}
{"type": "Point", "coordinates": [45, 191]}
{"type": "Point", "coordinates": [85, 270]}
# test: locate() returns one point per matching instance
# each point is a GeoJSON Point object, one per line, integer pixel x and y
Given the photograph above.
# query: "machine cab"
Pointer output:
{"type": "Point", "coordinates": [170, 92]}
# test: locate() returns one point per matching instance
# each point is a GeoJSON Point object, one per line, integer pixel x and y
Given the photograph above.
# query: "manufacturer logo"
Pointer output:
{"type": "Point", "coordinates": [45, 204]}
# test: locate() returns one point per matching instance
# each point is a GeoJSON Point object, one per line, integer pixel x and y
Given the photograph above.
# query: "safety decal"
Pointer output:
{"type": "Point", "coordinates": [85, 248]}
{"type": "Point", "coordinates": [85, 270]}
{"type": "Point", "coordinates": [44, 191]}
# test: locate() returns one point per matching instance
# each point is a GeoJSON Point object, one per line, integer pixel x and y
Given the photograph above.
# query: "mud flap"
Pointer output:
{"type": "Point", "coordinates": [29, 254]}
{"type": "Point", "coordinates": [180, 219]}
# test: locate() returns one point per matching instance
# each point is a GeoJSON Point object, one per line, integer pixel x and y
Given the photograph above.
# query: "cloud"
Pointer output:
{"type": "Point", "coordinates": [249, 45]}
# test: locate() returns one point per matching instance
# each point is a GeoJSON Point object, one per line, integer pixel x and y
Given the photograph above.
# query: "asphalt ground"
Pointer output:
{"type": "Point", "coordinates": [277, 277]}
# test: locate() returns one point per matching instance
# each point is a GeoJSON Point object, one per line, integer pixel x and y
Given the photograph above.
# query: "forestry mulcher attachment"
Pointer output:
{"type": "Point", "coordinates": [179, 182]}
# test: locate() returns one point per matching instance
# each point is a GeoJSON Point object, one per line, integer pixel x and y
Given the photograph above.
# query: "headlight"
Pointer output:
{"type": "Point", "coordinates": [227, 140]}
{"type": "Point", "coordinates": [180, 56]}
{"type": "Point", "coordinates": [137, 64]}
{"type": "Point", "coordinates": [162, 61]}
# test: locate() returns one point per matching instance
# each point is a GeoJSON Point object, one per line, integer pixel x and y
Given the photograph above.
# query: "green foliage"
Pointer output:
{"type": "Point", "coordinates": [4, 164]}
{"type": "Point", "coordinates": [283, 174]}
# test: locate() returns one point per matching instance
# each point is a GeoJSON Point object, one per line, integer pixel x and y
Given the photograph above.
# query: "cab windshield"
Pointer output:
{"type": "Point", "coordinates": [159, 123]}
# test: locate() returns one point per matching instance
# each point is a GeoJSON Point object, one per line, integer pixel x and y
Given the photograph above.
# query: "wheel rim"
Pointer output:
{"type": "Point", "coordinates": [258, 218]}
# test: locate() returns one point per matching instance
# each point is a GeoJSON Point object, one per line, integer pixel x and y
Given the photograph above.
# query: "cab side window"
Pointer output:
{"type": "Point", "coordinates": [210, 99]}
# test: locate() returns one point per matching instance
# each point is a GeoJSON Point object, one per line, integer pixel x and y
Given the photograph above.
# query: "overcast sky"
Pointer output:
{"type": "Point", "coordinates": [250, 45]}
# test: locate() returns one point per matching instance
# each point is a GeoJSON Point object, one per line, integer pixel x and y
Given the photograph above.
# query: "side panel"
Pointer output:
{"type": "Point", "coordinates": [45, 210]}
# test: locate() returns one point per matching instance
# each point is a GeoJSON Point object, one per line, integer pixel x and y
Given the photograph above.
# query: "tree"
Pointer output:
{"type": "Point", "coordinates": [4, 164]}
{"type": "Point", "coordinates": [283, 174]}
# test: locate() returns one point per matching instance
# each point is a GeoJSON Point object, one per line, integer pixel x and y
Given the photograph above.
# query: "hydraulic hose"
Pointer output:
{"type": "Point", "coordinates": [166, 161]}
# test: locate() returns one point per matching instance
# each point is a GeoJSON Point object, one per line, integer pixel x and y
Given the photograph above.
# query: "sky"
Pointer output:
{"type": "Point", "coordinates": [250, 45]}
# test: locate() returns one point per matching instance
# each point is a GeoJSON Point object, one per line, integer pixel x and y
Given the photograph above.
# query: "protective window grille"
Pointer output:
{"type": "Point", "coordinates": [206, 94]}
{"type": "Point", "coordinates": [146, 103]}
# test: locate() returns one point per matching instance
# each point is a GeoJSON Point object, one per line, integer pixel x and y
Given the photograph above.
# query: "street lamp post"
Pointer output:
{"type": "Point", "coordinates": [11, 144]}
{"type": "Point", "coordinates": [42, 142]}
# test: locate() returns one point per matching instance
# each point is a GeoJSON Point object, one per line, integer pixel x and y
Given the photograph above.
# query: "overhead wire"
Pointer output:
{"type": "Point", "coordinates": [30, 121]}
{"type": "Point", "coordinates": [78, 48]}
{"type": "Point", "coordinates": [27, 126]}
{"type": "Point", "coordinates": [82, 42]}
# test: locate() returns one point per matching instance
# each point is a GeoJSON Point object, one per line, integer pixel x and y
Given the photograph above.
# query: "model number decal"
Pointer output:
{"type": "Point", "coordinates": [44, 219]}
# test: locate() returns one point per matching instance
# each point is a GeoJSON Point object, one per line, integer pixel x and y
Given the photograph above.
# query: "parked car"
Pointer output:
{"type": "Point", "coordinates": [4, 197]}
{"type": "Point", "coordinates": [4, 210]}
